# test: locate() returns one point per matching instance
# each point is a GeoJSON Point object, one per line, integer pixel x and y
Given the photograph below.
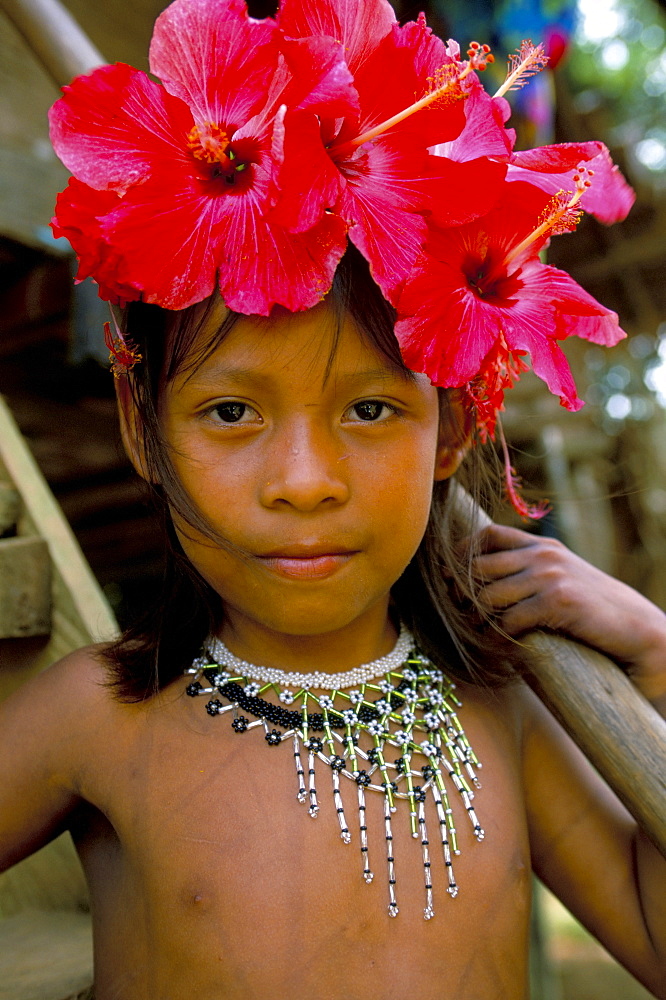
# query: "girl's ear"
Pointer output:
{"type": "Point", "coordinates": [456, 424]}
{"type": "Point", "coordinates": [130, 427]}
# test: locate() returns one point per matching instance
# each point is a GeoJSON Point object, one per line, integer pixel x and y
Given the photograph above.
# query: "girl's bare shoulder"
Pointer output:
{"type": "Point", "coordinates": [51, 729]}
{"type": "Point", "coordinates": [62, 714]}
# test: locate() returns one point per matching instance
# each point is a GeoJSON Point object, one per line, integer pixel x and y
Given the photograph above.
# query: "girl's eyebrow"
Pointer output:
{"type": "Point", "coordinates": [213, 375]}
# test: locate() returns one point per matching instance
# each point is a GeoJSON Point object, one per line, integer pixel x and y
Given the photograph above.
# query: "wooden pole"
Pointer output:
{"type": "Point", "coordinates": [62, 47]}
{"type": "Point", "coordinates": [613, 724]}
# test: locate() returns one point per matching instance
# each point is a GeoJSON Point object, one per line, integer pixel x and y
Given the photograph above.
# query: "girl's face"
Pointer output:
{"type": "Point", "coordinates": [317, 469]}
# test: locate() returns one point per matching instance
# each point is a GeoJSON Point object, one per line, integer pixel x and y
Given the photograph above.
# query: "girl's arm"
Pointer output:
{"type": "Point", "coordinates": [41, 736]}
{"type": "Point", "coordinates": [585, 846]}
{"type": "Point", "coordinates": [531, 582]}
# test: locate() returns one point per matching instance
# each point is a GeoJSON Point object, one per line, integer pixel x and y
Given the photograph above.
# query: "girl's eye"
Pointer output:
{"type": "Point", "coordinates": [371, 410]}
{"type": "Point", "coordinates": [233, 413]}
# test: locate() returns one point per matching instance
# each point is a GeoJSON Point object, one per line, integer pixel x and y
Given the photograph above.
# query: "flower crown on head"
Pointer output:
{"type": "Point", "coordinates": [270, 143]}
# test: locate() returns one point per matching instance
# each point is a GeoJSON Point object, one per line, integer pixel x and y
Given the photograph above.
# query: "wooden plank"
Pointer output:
{"type": "Point", "coordinates": [10, 503]}
{"type": "Point", "coordinates": [55, 38]}
{"type": "Point", "coordinates": [45, 956]}
{"type": "Point", "coordinates": [25, 587]}
{"type": "Point", "coordinates": [50, 879]}
{"type": "Point", "coordinates": [76, 593]}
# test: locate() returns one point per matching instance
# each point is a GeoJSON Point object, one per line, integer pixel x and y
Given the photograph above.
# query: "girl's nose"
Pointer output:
{"type": "Point", "coordinates": [305, 469]}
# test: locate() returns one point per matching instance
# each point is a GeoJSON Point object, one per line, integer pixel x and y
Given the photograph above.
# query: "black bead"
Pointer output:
{"type": "Point", "coordinates": [338, 763]}
{"type": "Point", "coordinates": [239, 724]}
{"type": "Point", "coordinates": [232, 691]}
{"type": "Point", "coordinates": [274, 738]}
{"type": "Point", "coordinates": [213, 707]}
{"type": "Point", "coordinates": [193, 689]}
{"type": "Point", "coordinates": [427, 771]}
{"type": "Point", "coordinates": [373, 755]}
{"type": "Point", "coordinates": [314, 745]}
{"type": "Point", "coordinates": [362, 778]}
{"type": "Point", "coordinates": [390, 785]}
{"type": "Point", "coordinates": [419, 794]}
{"type": "Point", "coordinates": [400, 765]}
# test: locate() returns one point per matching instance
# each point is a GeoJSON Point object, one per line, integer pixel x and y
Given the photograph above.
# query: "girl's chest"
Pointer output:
{"type": "Point", "coordinates": [234, 841]}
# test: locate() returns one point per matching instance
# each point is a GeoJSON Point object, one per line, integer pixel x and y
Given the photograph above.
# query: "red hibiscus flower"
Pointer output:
{"type": "Point", "coordinates": [373, 168]}
{"type": "Point", "coordinates": [174, 183]}
{"type": "Point", "coordinates": [480, 300]}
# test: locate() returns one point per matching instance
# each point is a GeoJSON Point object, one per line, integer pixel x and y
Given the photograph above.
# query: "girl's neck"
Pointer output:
{"type": "Point", "coordinates": [343, 649]}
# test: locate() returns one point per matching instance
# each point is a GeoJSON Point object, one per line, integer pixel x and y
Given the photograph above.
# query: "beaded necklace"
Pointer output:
{"type": "Point", "coordinates": [399, 701]}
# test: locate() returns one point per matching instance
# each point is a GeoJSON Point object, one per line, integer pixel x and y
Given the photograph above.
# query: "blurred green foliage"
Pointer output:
{"type": "Point", "coordinates": [618, 66]}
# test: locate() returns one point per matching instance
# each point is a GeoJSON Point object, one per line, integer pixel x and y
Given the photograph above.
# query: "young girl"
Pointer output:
{"type": "Point", "coordinates": [300, 659]}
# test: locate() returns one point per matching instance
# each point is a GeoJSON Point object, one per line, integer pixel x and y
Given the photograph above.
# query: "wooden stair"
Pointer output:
{"type": "Point", "coordinates": [50, 604]}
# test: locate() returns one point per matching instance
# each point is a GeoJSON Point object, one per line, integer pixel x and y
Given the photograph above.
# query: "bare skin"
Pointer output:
{"type": "Point", "coordinates": [207, 877]}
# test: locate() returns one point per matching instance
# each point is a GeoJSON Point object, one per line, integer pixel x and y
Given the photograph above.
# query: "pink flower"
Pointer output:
{"type": "Point", "coordinates": [480, 300]}
{"type": "Point", "coordinates": [174, 183]}
{"type": "Point", "coordinates": [373, 168]}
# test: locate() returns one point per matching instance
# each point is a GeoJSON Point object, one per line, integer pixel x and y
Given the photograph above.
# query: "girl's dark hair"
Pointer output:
{"type": "Point", "coordinates": [434, 597]}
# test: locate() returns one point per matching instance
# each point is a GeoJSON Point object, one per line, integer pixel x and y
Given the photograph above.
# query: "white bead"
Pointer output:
{"type": "Point", "coordinates": [328, 682]}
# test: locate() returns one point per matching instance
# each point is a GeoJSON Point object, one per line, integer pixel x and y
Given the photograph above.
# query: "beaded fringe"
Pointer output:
{"type": "Point", "coordinates": [415, 701]}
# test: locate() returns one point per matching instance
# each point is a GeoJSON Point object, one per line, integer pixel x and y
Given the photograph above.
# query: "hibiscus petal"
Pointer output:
{"type": "Point", "coordinates": [531, 326]}
{"type": "Point", "coordinates": [111, 128]}
{"type": "Point", "coordinates": [577, 312]}
{"type": "Point", "coordinates": [308, 181]}
{"type": "Point", "coordinates": [484, 133]}
{"type": "Point", "coordinates": [268, 266]}
{"type": "Point", "coordinates": [322, 82]}
{"type": "Point", "coordinates": [380, 204]}
{"type": "Point", "coordinates": [211, 55]}
{"type": "Point", "coordinates": [460, 192]}
{"type": "Point", "coordinates": [442, 328]}
{"type": "Point", "coordinates": [359, 25]}
{"type": "Point", "coordinates": [170, 239]}
{"type": "Point", "coordinates": [78, 212]}
{"type": "Point", "coordinates": [401, 71]}
{"type": "Point", "coordinates": [551, 168]}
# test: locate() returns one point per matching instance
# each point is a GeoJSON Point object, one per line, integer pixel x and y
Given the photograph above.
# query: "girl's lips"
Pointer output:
{"type": "Point", "coordinates": [307, 567]}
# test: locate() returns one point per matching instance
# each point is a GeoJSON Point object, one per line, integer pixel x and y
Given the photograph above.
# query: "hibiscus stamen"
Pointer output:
{"type": "Point", "coordinates": [480, 57]}
{"type": "Point", "coordinates": [560, 214]}
{"type": "Point", "coordinates": [209, 142]}
{"type": "Point", "coordinates": [444, 85]}
{"type": "Point", "coordinates": [532, 512]}
{"type": "Point", "coordinates": [528, 60]}
{"type": "Point", "coordinates": [500, 370]}
{"type": "Point", "coordinates": [122, 355]}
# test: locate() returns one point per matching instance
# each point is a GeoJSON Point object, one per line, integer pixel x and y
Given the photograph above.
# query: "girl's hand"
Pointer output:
{"type": "Point", "coordinates": [530, 582]}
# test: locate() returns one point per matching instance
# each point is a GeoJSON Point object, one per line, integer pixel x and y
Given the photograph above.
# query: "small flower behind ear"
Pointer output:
{"type": "Point", "coordinates": [122, 354]}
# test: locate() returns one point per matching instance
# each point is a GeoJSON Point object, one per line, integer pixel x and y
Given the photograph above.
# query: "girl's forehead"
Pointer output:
{"type": "Point", "coordinates": [320, 343]}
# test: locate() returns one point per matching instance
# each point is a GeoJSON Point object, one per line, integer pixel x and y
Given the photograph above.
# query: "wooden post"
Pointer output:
{"type": "Point", "coordinates": [64, 50]}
